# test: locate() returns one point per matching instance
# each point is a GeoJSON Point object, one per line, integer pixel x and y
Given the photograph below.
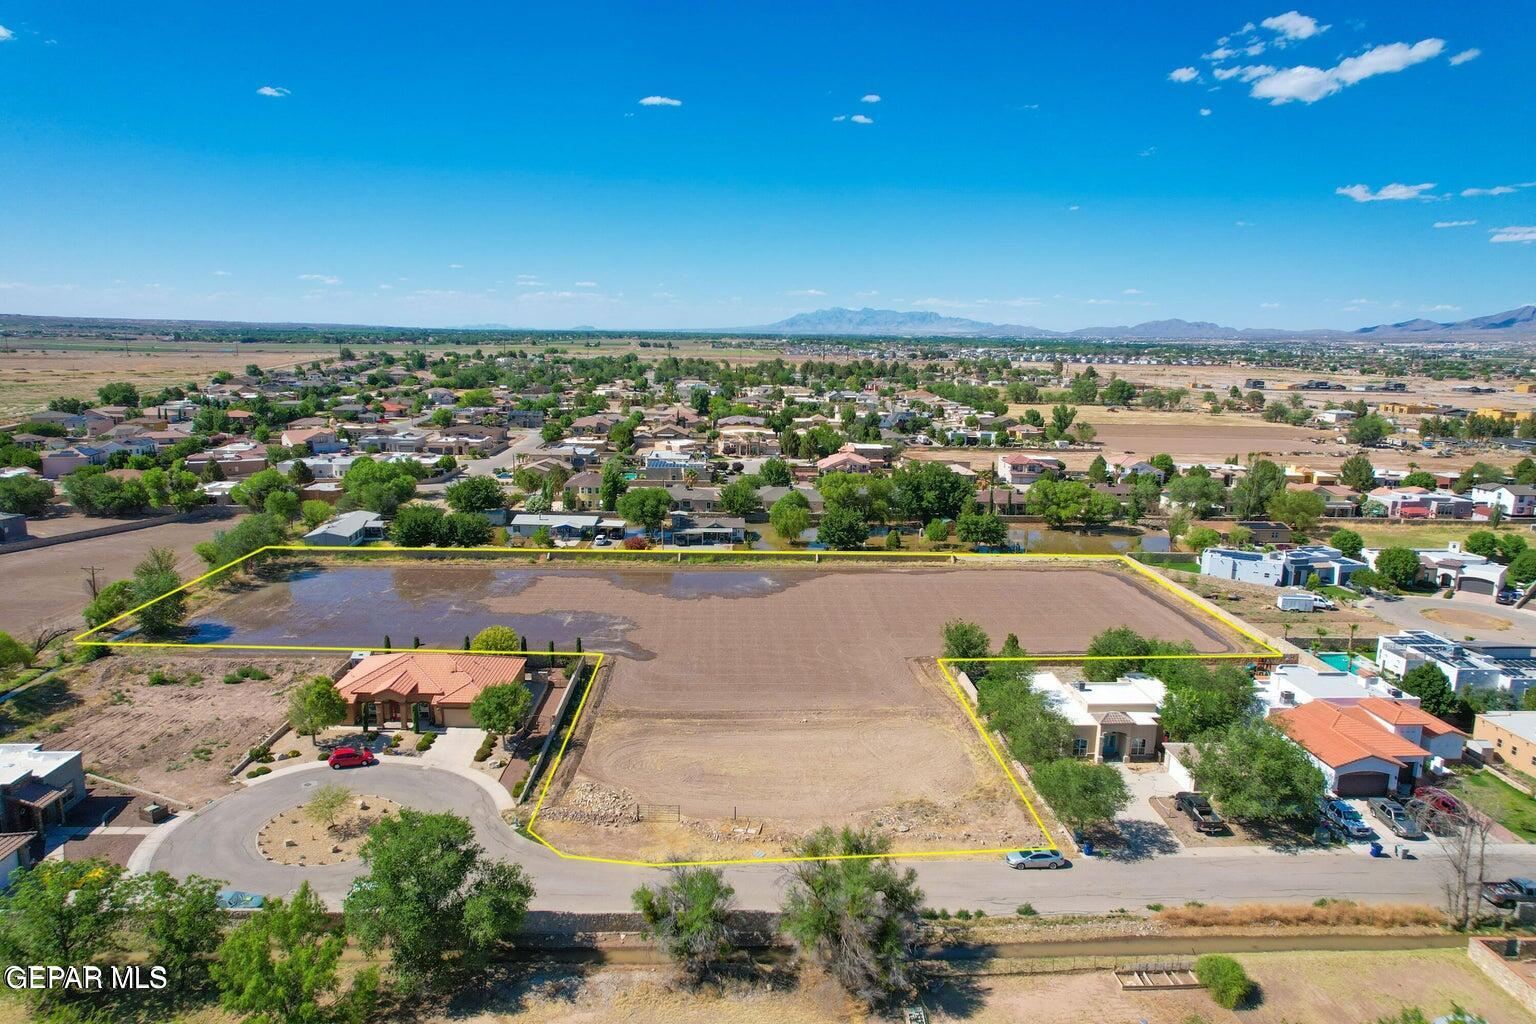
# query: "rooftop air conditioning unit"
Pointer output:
{"type": "Point", "coordinates": [1287, 697]}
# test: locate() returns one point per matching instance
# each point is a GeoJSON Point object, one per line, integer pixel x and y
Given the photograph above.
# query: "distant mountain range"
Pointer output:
{"type": "Point", "coordinates": [1511, 325]}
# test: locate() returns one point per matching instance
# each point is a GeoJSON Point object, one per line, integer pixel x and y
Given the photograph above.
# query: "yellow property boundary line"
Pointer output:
{"type": "Point", "coordinates": [1266, 650]}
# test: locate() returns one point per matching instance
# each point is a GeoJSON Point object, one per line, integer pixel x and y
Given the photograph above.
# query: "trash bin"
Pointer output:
{"type": "Point", "coordinates": [1087, 849]}
{"type": "Point", "coordinates": [1376, 850]}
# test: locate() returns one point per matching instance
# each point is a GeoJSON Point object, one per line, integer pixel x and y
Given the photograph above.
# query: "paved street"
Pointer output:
{"type": "Point", "coordinates": [220, 841]}
{"type": "Point", "coordinates": [1406, 613]}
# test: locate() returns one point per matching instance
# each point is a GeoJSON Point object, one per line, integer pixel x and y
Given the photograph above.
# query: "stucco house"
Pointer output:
{"type": "Point", "coordinates": [1115, 721]}
{"type": "Point", "coordinates": [1359, 754]}
{"type": "Point", "coordinates": [416, 690]}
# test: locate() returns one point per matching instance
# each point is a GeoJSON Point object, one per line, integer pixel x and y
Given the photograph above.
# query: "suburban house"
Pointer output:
{"type": "Point", "coordinates": [1511, 499]}
{"type": "Point", "coordinates": [844, 462]}
{"type": "Point", "coordinates": [1453, 568]}
{"type": "Point", "coordinates": [1289, 686]}
{"type": "Point", "coordinates": [415, 690]}
{"type": "Point", "coordinates": [585, 490]}
{"type": "Point", "coordinates": [1290, 568]}
{"type": "Point", "coordinates": [319, 439]}
{"type": "Point", "coordinates": [37, 786]}
{"type": "Point", "coordinates": [690, 531]}
{"type": "Point", "coordinates": [60, 462]}
{"type": "Point", "coordinates": [1360, 756]}
{"type": "Point", "coordinates": [1509, 667]}
{"type": "Point", "coordinates": [236, 460]}
{"type": "Point", "coordinates": [1114, 721]}
{"type": "Point", "coordinates": [566, 526]}
{"type": "Point", "coordinates": [1422, 503]}
{"type": "Point", "coordinates": [1023, 470]}
{"type": "Point", "coordinates": [1507, 736]}
{"type": "Point", "coordinates": [1265, 532]}
{"type": "Point", "coordinates": [347, 530]}
{"type": "Point", "coordinates": [1414, 724]}
{"type": "Point", "coordinates": [746, 441]}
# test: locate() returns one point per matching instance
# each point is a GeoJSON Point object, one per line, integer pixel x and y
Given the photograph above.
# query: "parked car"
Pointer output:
{"type": "Point", "coordinates": [1509, 892]}
{"type": "Point", "coordinates": [1441, 801]}
{"type": "Point", "coordinates": [1344, 818]}
{"type": "Point", "coordinates": [1431, 818]}
{"type": "Point", "coordinates": [1021, 860]}
{"type": "Point", "coordinates": [1508, 596]}
{"type": "Point", "coordinates": [351, 757]}
{"type": "Point", "coordinates": [1198, 807]}
{"type": "Point", "coordinates": [1398, 820]}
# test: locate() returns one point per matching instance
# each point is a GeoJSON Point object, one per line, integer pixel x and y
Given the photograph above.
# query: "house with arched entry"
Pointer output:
{"type": "Point", "coordinates": [413, 690]}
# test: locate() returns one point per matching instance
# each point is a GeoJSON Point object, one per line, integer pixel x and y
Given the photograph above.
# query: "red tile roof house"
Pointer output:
{"type": "Point", "coordinates": [1359, 754]}
{"type": "Point", "coordinates": [411, 689]}
{"type": "Point", "coordinates": [844, 462]}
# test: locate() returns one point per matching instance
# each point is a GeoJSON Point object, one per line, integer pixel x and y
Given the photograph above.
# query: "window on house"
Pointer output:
{"type": "Point", "coordinates": [1079, 747]}
{"type": "Point", "coordinates": [1139, 745]}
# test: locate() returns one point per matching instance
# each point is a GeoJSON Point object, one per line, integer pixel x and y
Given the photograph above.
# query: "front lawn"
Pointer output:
{"type": "Point", "coordinates": [1501, 802]}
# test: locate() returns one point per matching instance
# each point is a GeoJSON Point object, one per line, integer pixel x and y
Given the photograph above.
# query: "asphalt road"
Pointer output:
{"type": "Point", "coordinates": [219, 841]}
{"type": "Point", "coordinates": [1405, 613]}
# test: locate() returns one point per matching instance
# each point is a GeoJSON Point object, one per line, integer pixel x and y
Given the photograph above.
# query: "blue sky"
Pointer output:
{"type": "Point", "coordinates": [1061, 166]}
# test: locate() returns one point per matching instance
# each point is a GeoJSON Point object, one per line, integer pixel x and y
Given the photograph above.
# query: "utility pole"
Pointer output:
{"type": "Point", "coordinates": [91, 584]}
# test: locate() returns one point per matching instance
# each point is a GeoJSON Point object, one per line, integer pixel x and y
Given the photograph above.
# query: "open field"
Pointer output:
{"type": "Point", "coordinates": [177, 733]}
{"type": "Point", "coordinates": [1377, 534]}
{"type": "Point", "coordinates": [56, 585]}
{"type": "Point", "coordinates": [30, 376]}
{"type": "Point", "coordinates": [755, 702]}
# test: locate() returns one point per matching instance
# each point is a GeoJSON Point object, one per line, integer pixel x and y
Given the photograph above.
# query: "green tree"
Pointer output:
{"type": "Point", "coordinates": [1224, 978]}
{"type": "Point", "coordinates": [790, 516]}
{"type": "Point", "coordinates": [842, 528]}
{"type": "Point", "coordinates": [62, 913]}
{"type": "Point", "coordinates": [433, 898]}
{"type": "Point", "coordinates": [923, 491]}
{"type": "Point", "coordinates": [1523, 568]}
{"type": "Point", "coordinates": [1082, 794]}
{"type": "Point", "coordinates": [855, 918]}
{"type": "Point", "coordinates": [113, 600]}
{"type": "Point", "coordinates": [1254, 773]}
{"type": "Point", "coordinates": [1300, 510]}
{"type": "Point", "coordinates": [965, 640]}
{"type": "Point", "coordinates": [325, 805]}
{"type": "Point", "coordinates": [1058, 502]}
{"type": "Point", "coordinates": [689, 917]}
{"type": "Point", "coordinates": [1357, 473]}
{"type": "Point", "coordinates": [182, 924]}
{"type": "Point", "coordinates": [613, 485]}
{"type": "Point", "coordinates": [1399, 567]}
{"type": "Point", "coordinates": [279, 966]}
{"type": "Point", "coordinates": [119, 393]}
{"type": "Point", "coordinates": [316, 705]}
{"type": "Point", "coordinates": [981, 528]}
{"type": "Point", "coordinates": [1201, 538]}
{"type": "Point", "coordinates": [1098, 470]}
{"type": "Point", "coordinates": [417, 526]}
{"type": "Point", "coordinates": [937, 531]}
{"type": "Point", "coordinates": [252, 492]}
{"type": "Point", "coordinates": [282, 504]}
{"type": "Point", "coordinates": [315, 512]}
{"type": "Point", "coordinates": [1419, 478]}
{"type": "Point", "coordinates": [1250, 496]}
{"type": "Point", "coordinates": [1349, 543]}
{"type": "Point", "coordinates": [1428, 683]}
{"type": "Point", "coordinates": [739, 498]}
{"type": "Point", "coordinates": [249, 535]}
{"type": "Point", "coordinates": [1203, 494]}
{"type": "Point", "coordinates": [775, 473]}
{"type": "Point", "coordinates": [475, 494]}
{"type": "Point", "coordinates": [465, 530]}
{"type": "Point", "coordinates": [25, 495]}
{"type": "Point", "coordinates": [496, 639]}
{"type": "Point", "coordinates": [501, 710]}
{"type": "Point", "coordinates": [1368, 430]}
{"type": "Point", "coordinates": [162, 605]}
{"type": "Point", "coordinates": [647, 506]}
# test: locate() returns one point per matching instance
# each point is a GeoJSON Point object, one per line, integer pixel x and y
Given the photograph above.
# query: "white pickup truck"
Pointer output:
{"type": "Point", "coordinates": [1304, 601]}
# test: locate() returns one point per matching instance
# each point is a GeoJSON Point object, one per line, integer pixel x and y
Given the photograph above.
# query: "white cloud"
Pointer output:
{"type": "Point", "coordinates": [861, 119]}
{"type": "Point", "coordinates": [841, 117]}
{"type": "Point", "coordinates": [936, 303]}
{"type": "Point", "coordinates": [529, 281]}
{"type": "Point", "coordinates": [663, 296]}
{"type": "Point", "coordinates": [806, 292]}
{"type": "Point", "coordinates": [275, 91]}
{"type": "Point", "coordinates": [1454, 223]}
{"type": "Point", "coordinates": [455, 266]}
{"type": "Point", "coordinates": [1394, 191]}
{"type": "Point", "coordinates": [322, 278]}
{"type": "Point", "coordinates": [1525, 235]}
{"type": "Point", "coordinates": [221, 273]}
{"type": "Point", "coordinates": [1073, 208]}
{"type": "Point", "coordinates": [1222, 74]}
{"type": "Point", "coordinates": [1220, 53]}
{"type": "Point", "coordinates": [1293, 26]}
{"type": "Point", "coordinates": [1205, 111]}
{"type": "Point", "coordinates": [1269, 305]}
{"type": "Point", "coordinates": [1012, 303]}
{"type": "Point", "coordinates": [873, 97]}
{"type": "Point", "coordinates": [1132, 291]}
{"type": "Point", "coordinates": [1307, 84]}
{"type": "Point", "coordinates": [1440, 307]}
{"type": "Point", "coordinates": [1497, 190]}
{"type": "Point", "coordinates": [1184, 74]}
{"type": "Point", "coordinates": [583, 284]}
{"type": "Point", "coordinates": [660, 101]}
{"type": "Point", "coordinates": [1242, 223]}
{"type": "Point", "coordinates": [866, 295]}
{"type": "Point", "coordinates": [1464, 56]}
{"type": "Point", "coordinates": [6, 34]}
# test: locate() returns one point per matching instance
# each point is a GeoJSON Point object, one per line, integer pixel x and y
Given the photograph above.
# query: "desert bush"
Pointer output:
{"type": "Point", "coordinates": [258, 772]}
{"type": "Point", "coordinates": [1334, 912]}
{"type": "Point", "coordinates": [1224, 978]}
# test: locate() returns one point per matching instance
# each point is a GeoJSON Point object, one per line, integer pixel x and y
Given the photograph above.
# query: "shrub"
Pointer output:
{"type": "Point", "coordinates": [425, 743]}
{"type": "Point", "coordinates": [159, 678]}
{"type": "Point", "coordinates": [1334, 912]}
{"type": "Point", "coordinates": [291, 754]}
{"type": "Point", "coordinates": [486, 746]}
{"type": "Point", "coordinates": [233, 677]}
{"type": "Point", "coordinates": [1026, 910]}
{"type": "Point", "coordinates": [258, 772]}
{"type": "Point", "coordinates": [262, 753]}
{"type": "Point", "coordinates": [1224, 978]}
{"type": "Point", "coordinates": [517, 790]}
{"type": "Point", "coordinates": [963, 915]}
{"type": "Point", "coordinates": [252, 672]}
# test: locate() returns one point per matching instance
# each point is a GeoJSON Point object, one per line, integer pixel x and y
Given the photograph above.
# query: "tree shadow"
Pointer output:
{"type": "Point", "coordinates": [960, 996]}
{"type": "Point", "coordinates": [1133, 840]}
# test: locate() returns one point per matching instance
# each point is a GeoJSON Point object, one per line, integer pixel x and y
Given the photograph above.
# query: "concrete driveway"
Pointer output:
{"type": "Point", "coordinates": [1406, 613]}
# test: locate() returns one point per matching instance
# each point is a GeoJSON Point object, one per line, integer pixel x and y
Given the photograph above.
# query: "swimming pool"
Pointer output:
{"type": "Point", "coordinates": [1341, 661]}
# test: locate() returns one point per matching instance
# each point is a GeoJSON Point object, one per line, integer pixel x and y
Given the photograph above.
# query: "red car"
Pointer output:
{"type": "Point", "coordinates": [1440, 800]}
{"type": "Point", "coordinates": [350, 757]}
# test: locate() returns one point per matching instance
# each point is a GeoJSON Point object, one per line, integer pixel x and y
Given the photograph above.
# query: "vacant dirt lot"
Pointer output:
{"type": "Point", "coordinates": [29, 377]}
{"type": "Point", "coordinates": [54, 585]}
{"type": "Point", "coordinates": [179, 735]}
{"type": "Point", "coordinates": [753, 702]}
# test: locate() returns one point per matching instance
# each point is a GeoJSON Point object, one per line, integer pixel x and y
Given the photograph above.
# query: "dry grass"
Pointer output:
{"type": "Point", "coordinates": [1334, 913]}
